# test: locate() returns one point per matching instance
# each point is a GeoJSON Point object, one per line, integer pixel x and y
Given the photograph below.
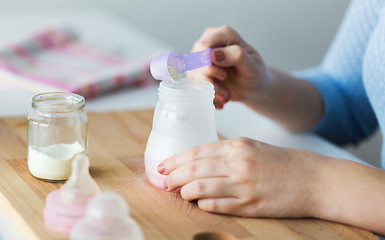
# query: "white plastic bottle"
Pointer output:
{"type": "Point", "coordinates": [184, 118]}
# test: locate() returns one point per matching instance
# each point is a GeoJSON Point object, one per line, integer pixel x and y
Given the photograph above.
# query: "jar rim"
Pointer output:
{"type": "Point", "coordinates": [58, 102]}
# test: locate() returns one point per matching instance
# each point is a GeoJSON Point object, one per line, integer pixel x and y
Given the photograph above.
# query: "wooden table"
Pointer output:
{"type": "Point", "coordinates": [116, 147]}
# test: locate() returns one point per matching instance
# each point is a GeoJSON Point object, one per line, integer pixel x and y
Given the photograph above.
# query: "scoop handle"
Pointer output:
{"type": "Point", "coordinates": [197, 59]}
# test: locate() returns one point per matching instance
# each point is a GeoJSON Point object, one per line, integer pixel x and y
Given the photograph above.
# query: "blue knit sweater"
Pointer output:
{"type": "Point", "coordinates": [351, 78]}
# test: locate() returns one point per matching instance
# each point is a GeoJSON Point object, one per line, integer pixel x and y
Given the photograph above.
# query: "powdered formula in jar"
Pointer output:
{"type": "Point", "coordinates": [57, 131]}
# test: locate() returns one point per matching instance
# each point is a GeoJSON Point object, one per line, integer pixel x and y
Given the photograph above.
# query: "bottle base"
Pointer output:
{"type": "Point", "coordinates": [156, 180]}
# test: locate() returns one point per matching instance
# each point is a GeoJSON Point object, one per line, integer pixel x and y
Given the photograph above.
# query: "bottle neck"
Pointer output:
{"type": "Point", "coordinates": [57, 103]}
{"type": "Point", "coordinates": [186, 91]}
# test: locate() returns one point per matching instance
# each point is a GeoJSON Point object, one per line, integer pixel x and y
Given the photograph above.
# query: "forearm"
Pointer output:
{"type": "Point", "coordinates": [351, 193]}
{"type": "Point", "coordinates": [292, 102]}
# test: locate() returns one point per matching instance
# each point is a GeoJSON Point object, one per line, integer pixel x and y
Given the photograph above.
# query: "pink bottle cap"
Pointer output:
{"type": "Point", "coordinates": [64, 207]}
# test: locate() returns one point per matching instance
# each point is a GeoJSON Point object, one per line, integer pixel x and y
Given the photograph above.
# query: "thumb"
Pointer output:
{"type": "Point", "coordinates": [231, 56]}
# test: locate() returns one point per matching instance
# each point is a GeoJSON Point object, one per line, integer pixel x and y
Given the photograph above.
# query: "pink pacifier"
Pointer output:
{"type": "Point", "coordinates": [107, 217]}
{"type": "Point", "coordinates": [64, 207]}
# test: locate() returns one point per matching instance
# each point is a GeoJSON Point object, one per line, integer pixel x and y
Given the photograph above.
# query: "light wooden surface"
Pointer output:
{"type": "Point", "coordinates": [116, 147]}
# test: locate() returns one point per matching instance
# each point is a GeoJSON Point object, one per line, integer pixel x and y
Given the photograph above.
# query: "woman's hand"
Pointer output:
{"type": "Point", "coordinates": [238, 72]}
{"type": "Point", "coordinates": [245, 177]}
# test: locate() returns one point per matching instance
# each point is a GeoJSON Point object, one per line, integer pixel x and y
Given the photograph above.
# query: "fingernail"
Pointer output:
{"type": "Point", "coordinates": [222, 77]}
{"type": "Point", "coordinates": [161, 168]}
{"type": "Point", "coordinates": [219, 55]}
{"type": "Point", "coordinates": [165, 184]}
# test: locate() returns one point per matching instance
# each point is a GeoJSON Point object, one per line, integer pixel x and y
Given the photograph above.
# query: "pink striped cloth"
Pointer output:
{"type": "Point", "coordinates": [57, 60]}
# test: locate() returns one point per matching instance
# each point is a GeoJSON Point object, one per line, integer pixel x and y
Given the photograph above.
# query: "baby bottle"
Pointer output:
{"type": "Point", "coordinates": [184, 118]}
{"type": "Point", "coordinates": [57, 131]}
{"type": "Point", "coordinates": [64, 207]}
{"type": "Point", "coordinates": [107, 218]}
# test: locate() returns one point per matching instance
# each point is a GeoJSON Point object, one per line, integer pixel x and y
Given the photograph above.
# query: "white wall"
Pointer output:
{"type": "Point", "coordinates": [289, 34]}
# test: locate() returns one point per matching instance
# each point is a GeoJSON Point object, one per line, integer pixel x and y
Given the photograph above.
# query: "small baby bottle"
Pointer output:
{"type": "Point", "coordinates": [107, 218]}
{"type": "Point", "coordinates": [184, 118]}
{"type": "Point", "coordinates": [64, 207]}
{"type": "Point", "coordinates": [57, 131]}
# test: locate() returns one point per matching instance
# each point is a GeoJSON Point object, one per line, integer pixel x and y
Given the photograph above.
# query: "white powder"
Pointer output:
{"type": "Point", "coordinates": [52, 162]}
{"type": "Point", "coordinates": [174, 74]}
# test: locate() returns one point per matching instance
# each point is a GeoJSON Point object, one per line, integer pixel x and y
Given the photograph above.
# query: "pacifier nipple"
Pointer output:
{"type": "Point", "coordinates": [64, 207]}
{"type": "Point", "coordinates": [107, 217]}
{"type": "Point", "coordinates": [80, 187]}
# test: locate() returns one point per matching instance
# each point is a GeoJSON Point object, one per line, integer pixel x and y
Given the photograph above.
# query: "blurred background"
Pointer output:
{"type": "Point", "coordinates": [290, 35]}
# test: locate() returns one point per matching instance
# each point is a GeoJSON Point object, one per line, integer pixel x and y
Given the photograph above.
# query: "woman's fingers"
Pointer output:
{"type": "Point", "coordinates": [215, 187]}
{"type": "Point", "coordinates": [226, 205]}
{"type": "Point", "coordinates": [237, 68]}
{"type": "Point", "coordinates": [188, 172]}
{"type": "Point", "coordinates": [219, 104]}
{"type": "Point", "coordinates": [215, 72]}
{"type": "Point", "coordinates": [221, 93]}
{"type": "Point", "coordinates": [217, 37]}
{"type": "Point", "coordinates": [211, 150]}
{"type": "Point", "coordinates": [233, 56]}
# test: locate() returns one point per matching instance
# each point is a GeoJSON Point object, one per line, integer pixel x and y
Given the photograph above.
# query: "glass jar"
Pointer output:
{"type": "Point", "coordinates": [57, 131]}
{"type": "Point", "coordinates": [184, 117]}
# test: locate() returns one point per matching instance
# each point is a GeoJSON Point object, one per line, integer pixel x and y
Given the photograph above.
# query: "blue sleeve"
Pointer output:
{"type": "Point", "coordinates": [348, 116]}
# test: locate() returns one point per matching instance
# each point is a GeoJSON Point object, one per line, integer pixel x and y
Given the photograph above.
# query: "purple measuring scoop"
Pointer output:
{"type": "Point", "coordinates": [170, 66]}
